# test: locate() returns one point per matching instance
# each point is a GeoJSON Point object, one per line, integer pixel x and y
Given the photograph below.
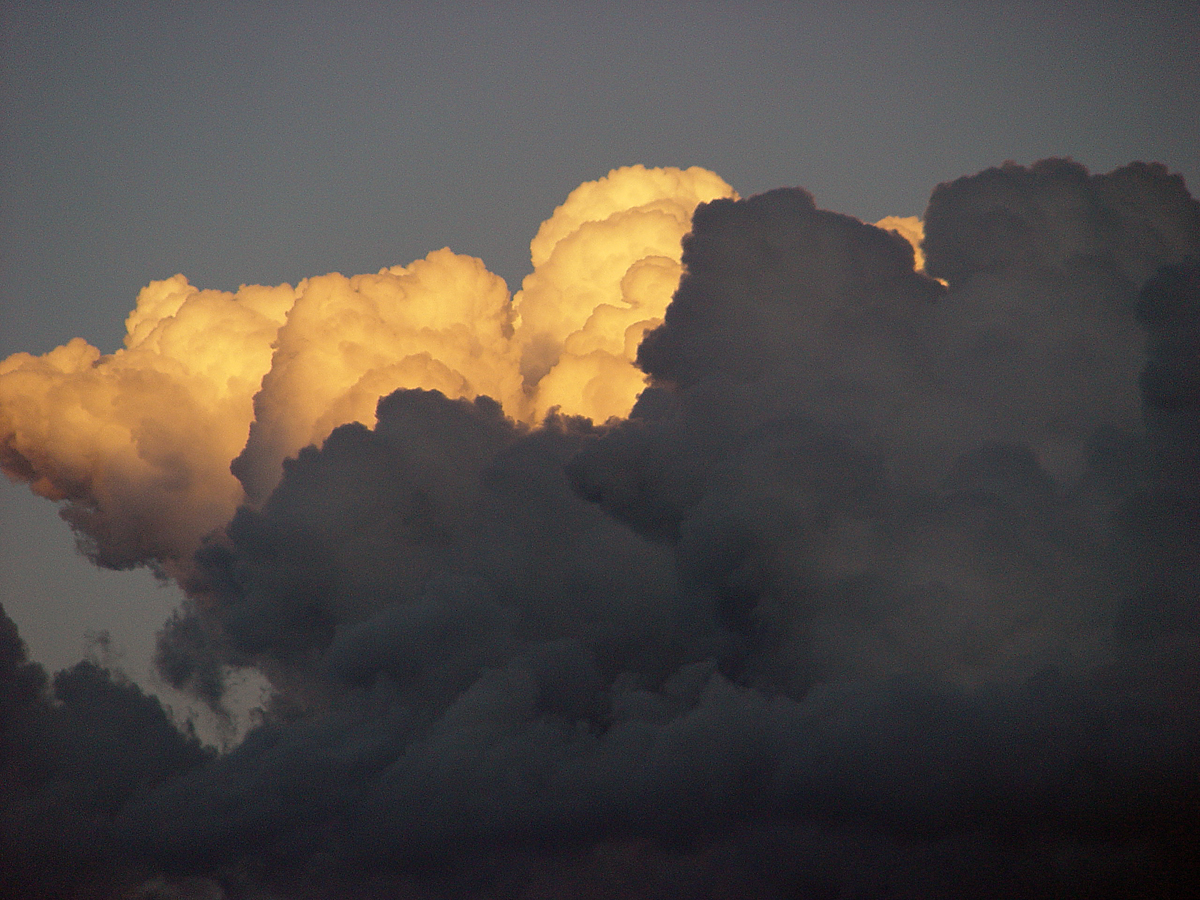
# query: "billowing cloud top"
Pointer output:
{"type": "Point", "coordinates": [140, 441]}
{"type": "Point", "coordinates": [884, 586]}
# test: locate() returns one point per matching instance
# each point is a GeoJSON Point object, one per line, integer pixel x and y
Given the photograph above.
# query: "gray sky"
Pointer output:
{"type": "Point", "coordinates": [240, 143]}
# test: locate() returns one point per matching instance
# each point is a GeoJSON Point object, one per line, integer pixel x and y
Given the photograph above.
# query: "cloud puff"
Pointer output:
{"type": "Point", "coordinates": [138, 442]}
{"type": "Point", "coordinates": [605, 266]}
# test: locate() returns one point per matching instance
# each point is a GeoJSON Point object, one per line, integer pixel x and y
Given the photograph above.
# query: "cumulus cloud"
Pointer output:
{"type": "Point", "coordinates": [140, 442]}
{"type": "Point", "coordinates": [605, 266]}
{"type": "Point", "coordinates": [440, 323]}
{"type": "Point", "coordinates": [884, 586]}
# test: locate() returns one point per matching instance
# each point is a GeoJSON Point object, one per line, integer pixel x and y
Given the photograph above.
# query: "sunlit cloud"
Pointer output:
{"type": "Point", "coordinates": [140, 442]}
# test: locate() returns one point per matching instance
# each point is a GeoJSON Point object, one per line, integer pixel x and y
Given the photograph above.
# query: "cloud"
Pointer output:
{"type": "Point", "coordinates": [140, 442]}
{"type": "Point", "coordinates": [605, 266]}
{"type": "Point", "coordinates": [912, 229]}
{"type": "Point", "coordinates": [71, 754]}
{"type": "Point", "coordinates": [884, 586]}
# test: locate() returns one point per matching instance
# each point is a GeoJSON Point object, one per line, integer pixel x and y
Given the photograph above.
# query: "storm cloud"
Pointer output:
{"type": "Point", "coordinates": [885, 586]}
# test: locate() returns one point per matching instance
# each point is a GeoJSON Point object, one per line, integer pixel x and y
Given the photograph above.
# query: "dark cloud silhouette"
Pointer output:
{"type": "Point", "coordinates": [72, 752]}
{"type": "Point", "coordinates": [885, 588]}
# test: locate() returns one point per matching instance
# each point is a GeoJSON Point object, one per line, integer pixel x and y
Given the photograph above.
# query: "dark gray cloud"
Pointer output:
{"type": "Point", "coordinates": [886, 588]}
{"type": "Point", "coordinates": [73, 751]}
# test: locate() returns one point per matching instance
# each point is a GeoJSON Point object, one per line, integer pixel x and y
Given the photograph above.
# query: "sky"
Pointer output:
{"type": "Point", "coordinates": [264, 145]}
